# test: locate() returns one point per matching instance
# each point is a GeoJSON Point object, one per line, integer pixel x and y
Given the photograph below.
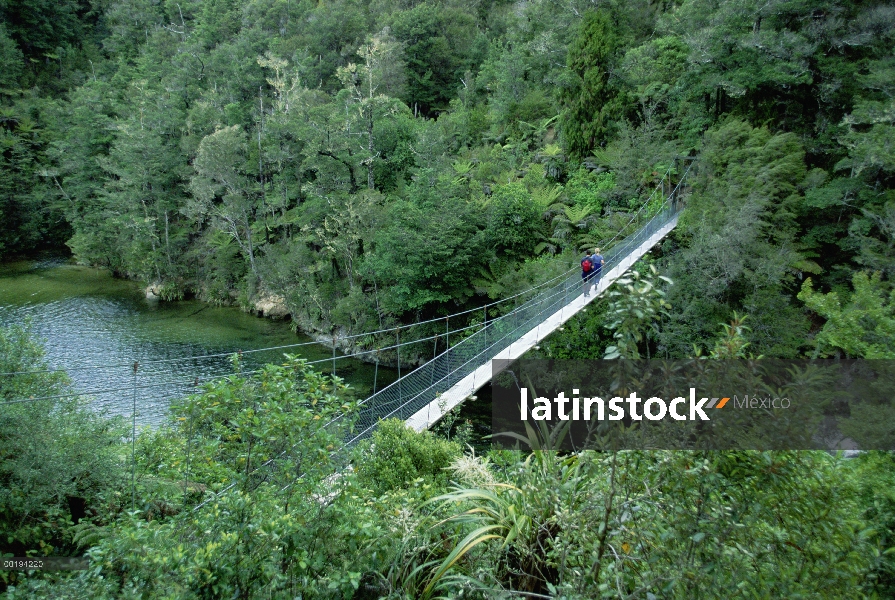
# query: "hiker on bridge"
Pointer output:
{"type": "Point", "coordinates": [597, 260]}
{"type": "Point", "coordinates": [591, 270]}
{"type": "Point", "coordinates": [587, 271]}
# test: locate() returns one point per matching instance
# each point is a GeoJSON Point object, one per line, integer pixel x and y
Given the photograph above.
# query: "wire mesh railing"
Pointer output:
{"type": "Point", "coordinates": [414, 391]}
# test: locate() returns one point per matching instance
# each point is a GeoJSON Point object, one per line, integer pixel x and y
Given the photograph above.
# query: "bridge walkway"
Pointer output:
{"type": "Point", "coordinates": [469, 385]}
{"type": "Point", "coordinates": [423, 396]}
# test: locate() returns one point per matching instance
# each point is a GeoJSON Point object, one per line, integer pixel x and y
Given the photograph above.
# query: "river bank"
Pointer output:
{"type": "Point", "coordinates": [96, 326]}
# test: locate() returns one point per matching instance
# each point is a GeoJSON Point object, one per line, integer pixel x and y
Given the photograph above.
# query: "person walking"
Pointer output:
{"type": "Point", "coordinates": [597, 260]}
{"type": "Point", "coordinates": [587, 269]}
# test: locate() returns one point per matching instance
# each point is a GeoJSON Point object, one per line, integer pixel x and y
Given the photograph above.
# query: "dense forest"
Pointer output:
{"type": "Point", "coordinates": [370, 163]}
{"type": "Point", "coordinates": [382, 162]}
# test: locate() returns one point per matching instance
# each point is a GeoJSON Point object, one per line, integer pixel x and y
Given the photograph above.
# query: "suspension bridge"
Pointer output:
{"type": "Point", "coordinates": [446, 401]}
{"type": "Point", "coordinates": [422, 397]}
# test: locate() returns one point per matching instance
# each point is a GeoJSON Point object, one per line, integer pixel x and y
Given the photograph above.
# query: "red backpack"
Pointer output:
{"type": "Point", "coordinates": [586, 265]}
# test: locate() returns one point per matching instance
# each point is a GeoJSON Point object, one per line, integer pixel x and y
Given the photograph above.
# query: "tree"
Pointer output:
{"type": "Point", "coordinates": [874, 234]}
{"type": "Point", "coordinates": [589, 102]}
{"type": "Point", "coordinates": [514, 223]}
{"type": "Point", "coordinates": [59, 459]}
{"type": "Point", "coordinates": [27, 218]}
{"type": "Point", "coordinates": [331, 154]}
{"type": "Point", "coordinates": [332, 32]}
{"type": "Point", "coordinates": [424, 254]}
{"type": "Point", "coordinates": [397, 455]}
{"type": "Point", "coordinates": [516, 98]}
{"type": "Point", "coordinates": [739, 236]}
{"type": "Point", "coordinates": [440, 45]}
{"type": "Point", "coordinates": [11, 58]}
{"type": "Point", "coordinates": [40, 27]}
{"type": "Point", "coordinates": [76, 175]}
{"type": "Point", "coordinates": [744, 55]}
{"type": "Point", "coordinates": [382, 69]}
{"type": "Point", "coordinates": [636, 303]}
{"type": "Point", "coordinates": [224, 192]}
{"type": "Point", "coordinates": [142, 197]}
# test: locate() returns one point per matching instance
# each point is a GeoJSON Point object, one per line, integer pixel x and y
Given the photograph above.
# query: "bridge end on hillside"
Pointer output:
{"type": "Point", "coordinates": [469, 385]}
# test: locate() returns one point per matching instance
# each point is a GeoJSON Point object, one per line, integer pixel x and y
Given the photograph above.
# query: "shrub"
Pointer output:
{"type": "Point", "coordinates": [875, 478]}
{"type": "Point", "coordinates": [59, 461]}
{"type": "Point", "coordinates": [399, 455]}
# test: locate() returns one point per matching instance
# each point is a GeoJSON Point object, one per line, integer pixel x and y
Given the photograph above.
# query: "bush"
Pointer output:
{"type": "Point", "coordinates": [287, 529]}
{"type": "Point", "coordinates": [399, 455]}
{"type": "Point", "coordinates": [875, 476]}
{"type": "Point", "coordinates": [59, 460]}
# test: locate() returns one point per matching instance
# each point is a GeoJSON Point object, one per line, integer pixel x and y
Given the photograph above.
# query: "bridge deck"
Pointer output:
{"type": "Point", "coordinates": [469, 385]}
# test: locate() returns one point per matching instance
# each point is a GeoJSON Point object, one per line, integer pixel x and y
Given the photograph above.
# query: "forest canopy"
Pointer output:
{"type": "Point", "coordinates": [370, 162]}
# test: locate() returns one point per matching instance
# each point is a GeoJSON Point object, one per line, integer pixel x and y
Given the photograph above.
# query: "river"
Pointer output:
{"type": "Point", "coordinates": [95, 327]}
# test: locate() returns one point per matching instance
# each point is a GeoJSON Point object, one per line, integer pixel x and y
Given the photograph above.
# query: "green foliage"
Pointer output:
{"type": "Point", "coordinates": [514, 224]}
{"type": "Point", "coordinates": [590, 104]}
{"type": "Point", "coordinates": [219, 149]}
{"type": "Point", "coordinates": [517, 104]}
{"type": "Point", "coordinates": [586, 188]}
{"type": "Point", "coordinates": [440, 45]}
{"type": "Point", "coordinates": [60, 462]}
{"type": "Point", "coordinates": [524, 517]}
{"type": "Point", "coordinates": [140, 199]}
{"type": "Point", "coordinates": [654, 69]}
{"type": "Point", "coordinates": [122, 163]}
{"type": "Point", "coordinates": [425, 254]}
{"type": "Point", "coordinates": [40, 28]}
{"type": "Point", "coordinates": [224, 191]}
{"type": "Point", "coordinates": [791, 523]}
{"type": "Point", "coordinates": [25, 357]}
{"type": "Point", "coordinates": [722, 514]}
{"type": "Point", "coordinates": [26, 218]}
{"type": "Point", "coordinates": [255, 546]}
{"type": "Point", "coordinates": [11, 58]}
{"type": "Point", "coordinates": [679, 524]}
{"type": "Point", "coordinates": [874, 235]}
{"type": "Point", "coordinates": [452, 427]}
{"type": "Point", "coordinates": [398, 456]}
{"type": "Point", "coordinates": [739, 234]}
{"type": "Point", "coordinates": [161, 106]}
{"type": "Point", "coordinates": [862, 326]}
{"type": "Point", "coordinates": [583, 336]}
{"type": "Point", "coordinates": [285, 414]}
{"type": "Point", "coordinates": [275, 436]}
{"type": "Point", "coordinates": [731, 342]}
{"type": "Point", "coordinates": [875, 480]}
{"type": "Point", "coordinates": [636, 303]}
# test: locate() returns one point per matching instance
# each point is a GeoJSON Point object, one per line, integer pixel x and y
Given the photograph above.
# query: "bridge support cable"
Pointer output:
{"type": "Point", "coordinates": [420, 397]}
{"type": "Point", "coordinates": [423, 396]}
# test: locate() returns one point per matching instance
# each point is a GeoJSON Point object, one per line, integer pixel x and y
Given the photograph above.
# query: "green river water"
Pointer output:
{"type": "Point", "coordinates": [95, 327]}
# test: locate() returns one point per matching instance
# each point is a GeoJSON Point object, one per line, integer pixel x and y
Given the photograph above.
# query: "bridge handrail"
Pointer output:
{"type": "Point", "coordinates": [470, 352]}
{"type": "Point", "coordinates": [415, 390]}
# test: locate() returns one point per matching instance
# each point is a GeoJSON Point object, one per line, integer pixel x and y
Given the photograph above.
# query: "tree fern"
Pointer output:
{"type": "Point", "coordinates": [546, 199]}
